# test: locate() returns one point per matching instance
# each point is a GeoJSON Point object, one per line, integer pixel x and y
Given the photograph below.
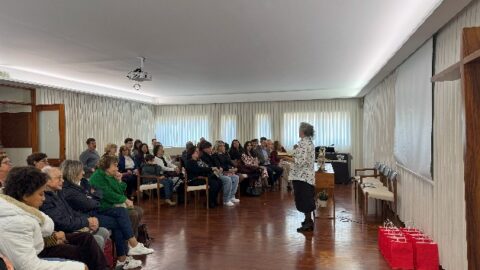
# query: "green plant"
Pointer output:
{"type": "Point", "coordinates": [323, 195]}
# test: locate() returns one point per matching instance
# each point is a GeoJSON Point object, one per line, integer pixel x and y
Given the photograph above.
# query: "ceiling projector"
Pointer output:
{"type": "Point", "coordinates": [139, 74]}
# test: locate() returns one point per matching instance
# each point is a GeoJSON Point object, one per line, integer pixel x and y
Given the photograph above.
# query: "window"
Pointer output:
{"type": "Point", "coordinates": [330, 128]}
{"type": "Point", "coordinates": [175, 131]}
{"type": "Point", "coordinates": [228, 128]}
{"type": "Point", "coordinates": [263, 126]}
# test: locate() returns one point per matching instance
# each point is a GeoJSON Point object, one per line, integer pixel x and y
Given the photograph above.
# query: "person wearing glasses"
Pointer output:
{"type": "Point", "coordinates": [37, 160]}
{"type": "Point", "coordinates": [5, 167]}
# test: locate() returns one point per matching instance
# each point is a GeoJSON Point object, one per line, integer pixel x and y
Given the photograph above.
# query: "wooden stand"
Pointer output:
{"type": "Point", "coordinates": [468, 70]}
{"type": "Point", "coordinates": [326, 180]}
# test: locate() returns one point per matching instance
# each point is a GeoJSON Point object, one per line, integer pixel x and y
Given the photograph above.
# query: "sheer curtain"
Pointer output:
{"type": "Point", "coordinates": [175, 132]}
{"type": "Point", "coordinates": [263, 125]}
{"type": "Point", "coordinates": [332, 128]}
{"type": "Point", "coordinates": [228, 128]}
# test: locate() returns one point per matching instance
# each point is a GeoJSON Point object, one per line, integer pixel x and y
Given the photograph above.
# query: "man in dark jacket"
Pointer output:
{"type": "Point", "coordinates": [63, 216]}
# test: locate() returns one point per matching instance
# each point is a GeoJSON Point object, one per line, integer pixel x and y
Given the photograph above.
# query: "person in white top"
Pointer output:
{"type": "Point", "coordinates": [302, 175]}
{"type": "Point", "coordinates": [22, 225]}
{"type": "Point", "coordinates": [163, 162]}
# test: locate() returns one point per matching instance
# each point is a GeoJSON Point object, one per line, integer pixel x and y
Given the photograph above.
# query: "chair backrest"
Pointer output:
{"type": "Point", "coordinates": [381, 167]}
{"type": "Point", "coordinates": [377, 165]}
{"type": "Point", "coordinates": [392, 181]}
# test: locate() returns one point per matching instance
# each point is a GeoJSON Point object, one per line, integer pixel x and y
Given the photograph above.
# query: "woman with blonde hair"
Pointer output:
{"type": "Point", "coordinates": [229, 171]}
{"type": "Point", "coordinates": [111, 149]}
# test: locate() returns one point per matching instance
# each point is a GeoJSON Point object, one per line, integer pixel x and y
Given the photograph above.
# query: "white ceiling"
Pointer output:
{"type": "Point", "coordinates": [203, 51]}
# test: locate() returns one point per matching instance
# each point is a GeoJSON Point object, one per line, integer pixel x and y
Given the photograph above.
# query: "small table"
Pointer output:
{"type": "Point", "coordinates": [325, 180]}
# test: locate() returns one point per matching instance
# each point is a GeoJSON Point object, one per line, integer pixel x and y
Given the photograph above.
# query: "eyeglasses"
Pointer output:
{"type": "Point", "coordinates": [44, 161]}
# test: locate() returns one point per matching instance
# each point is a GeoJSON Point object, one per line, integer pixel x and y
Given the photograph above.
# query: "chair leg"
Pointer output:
{"type": "Point", "coordinates": [208, 201]}
{"type": "Point", "coordinates": [365, 209]}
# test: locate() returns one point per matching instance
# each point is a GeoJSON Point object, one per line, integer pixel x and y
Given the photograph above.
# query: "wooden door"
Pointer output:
{"type": "Point", "coordinates": [51, 132]}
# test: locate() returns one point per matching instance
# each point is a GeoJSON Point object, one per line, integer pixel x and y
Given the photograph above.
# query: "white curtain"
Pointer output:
{"type": "Point", "coordinates": [106, 119]}
{"type": "Point", "coordinates": [263, 125]}
{"type": "Point", "coordinates": [413, 112]}
{"type": "Point", "coordinates": [228, 128]}
{"type": "Point", "coordinates": [336, 122]}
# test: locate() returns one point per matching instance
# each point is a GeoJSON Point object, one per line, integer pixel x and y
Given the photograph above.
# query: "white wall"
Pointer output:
{"type": "Point", "coordinates": [18, 155]}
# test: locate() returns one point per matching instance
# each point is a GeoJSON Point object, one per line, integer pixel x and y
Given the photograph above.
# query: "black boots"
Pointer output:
{"type": "Point", "coordinates": [307, 224]}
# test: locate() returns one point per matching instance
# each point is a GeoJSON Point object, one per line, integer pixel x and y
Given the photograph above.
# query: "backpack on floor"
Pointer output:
{"type": "Point", "coordinates": [143, 236]}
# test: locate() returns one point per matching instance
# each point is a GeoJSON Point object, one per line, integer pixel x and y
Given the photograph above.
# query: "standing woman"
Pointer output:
{"type": "Point", "coordinates": [302, 175]}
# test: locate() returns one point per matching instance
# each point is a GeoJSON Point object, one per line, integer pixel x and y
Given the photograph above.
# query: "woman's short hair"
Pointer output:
{"type": "Point", "coordinates": [35, 157]}
{"type": "Point", "coordinates": [217, 145]}
{"type": "Point", "coordinates": [109, 147]}
{"type": "Point", "coordinates": [106, 161]}
{"type": "Point", "coordinates": [307, 129]}
{"type": "Point", "coordinates": [71, 169]}
{"type": "Point", "coordinates": [24, 181]}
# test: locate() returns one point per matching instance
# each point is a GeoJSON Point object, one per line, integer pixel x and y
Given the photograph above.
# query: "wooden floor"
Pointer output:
{"type": "Point", "coordinates": [260, 233]}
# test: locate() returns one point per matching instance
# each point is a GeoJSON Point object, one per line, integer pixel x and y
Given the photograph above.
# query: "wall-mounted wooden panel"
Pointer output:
{"type": "Point", "coordinates": [16, 130]}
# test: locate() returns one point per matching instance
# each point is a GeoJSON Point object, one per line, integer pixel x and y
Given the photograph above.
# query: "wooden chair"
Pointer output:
{"type": "Point", "coordinates": [144, 187]}
{"type": "Point", "coordinates": [195, 189]}
{"type": "Point", "coordinates": [361, 174]}
{"type": "Point", "coordinates": [385, 194]}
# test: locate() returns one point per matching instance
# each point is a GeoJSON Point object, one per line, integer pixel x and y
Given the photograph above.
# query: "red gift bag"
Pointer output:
{"type": "Point", "coordinates": [426, 255]}
{"type": "Point", "coordinates": [401, 254]}
{"type": "Point", "coordinates": [389, 239]}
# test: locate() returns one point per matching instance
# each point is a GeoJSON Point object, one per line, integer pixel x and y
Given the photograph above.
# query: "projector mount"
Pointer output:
{"type": "Point", "coordinates": [139, 75]}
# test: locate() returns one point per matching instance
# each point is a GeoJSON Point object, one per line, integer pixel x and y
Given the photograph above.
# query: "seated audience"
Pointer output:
{"type": "Point", "coordinates": [65, 218]}
{"type": "Point", "coordinates": [236, 151]}
{"type": "Point", "coordinates": [111, 149]}
{"type": "Point", "coordinates": [85, 199]}
{"type": "Point", "coordinates": [23, 228]}
{"type": "Point", "coordinates": [251, 168]}
{"type": "Point", "coordinates": [274, 171]}
{"type": "Point", "coordinates": [152, 169]}
{"type": "Point", "coordinates": [128, 142]}
{"type": "Point", "coordinates": [107, 179]}
{"type": "Point", "coordinates": [140, 156]}
{"type": "Point", "coordinates": [5, 167]}
{"type": "Point", "coordinates": [184, 153]}
{"type": "Point", "coordinates": [195, 168]}
{"type": "Point", "coordinates": [129, 170]}
{"type": "Point", "coordinates": [38, 160]}
{"type": "Point", "coordinates": [168, 168]}
{"type": "Point", "coordinates": [275, 160]}
{"type": "Point", "coordinates": [229, 184]}
{"type": "Point", "coordinates": [137, 145]}
{"type": "Point", "coordinates": [222, 158]}
{"type": "Point", "coordinates": [90, 157]}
